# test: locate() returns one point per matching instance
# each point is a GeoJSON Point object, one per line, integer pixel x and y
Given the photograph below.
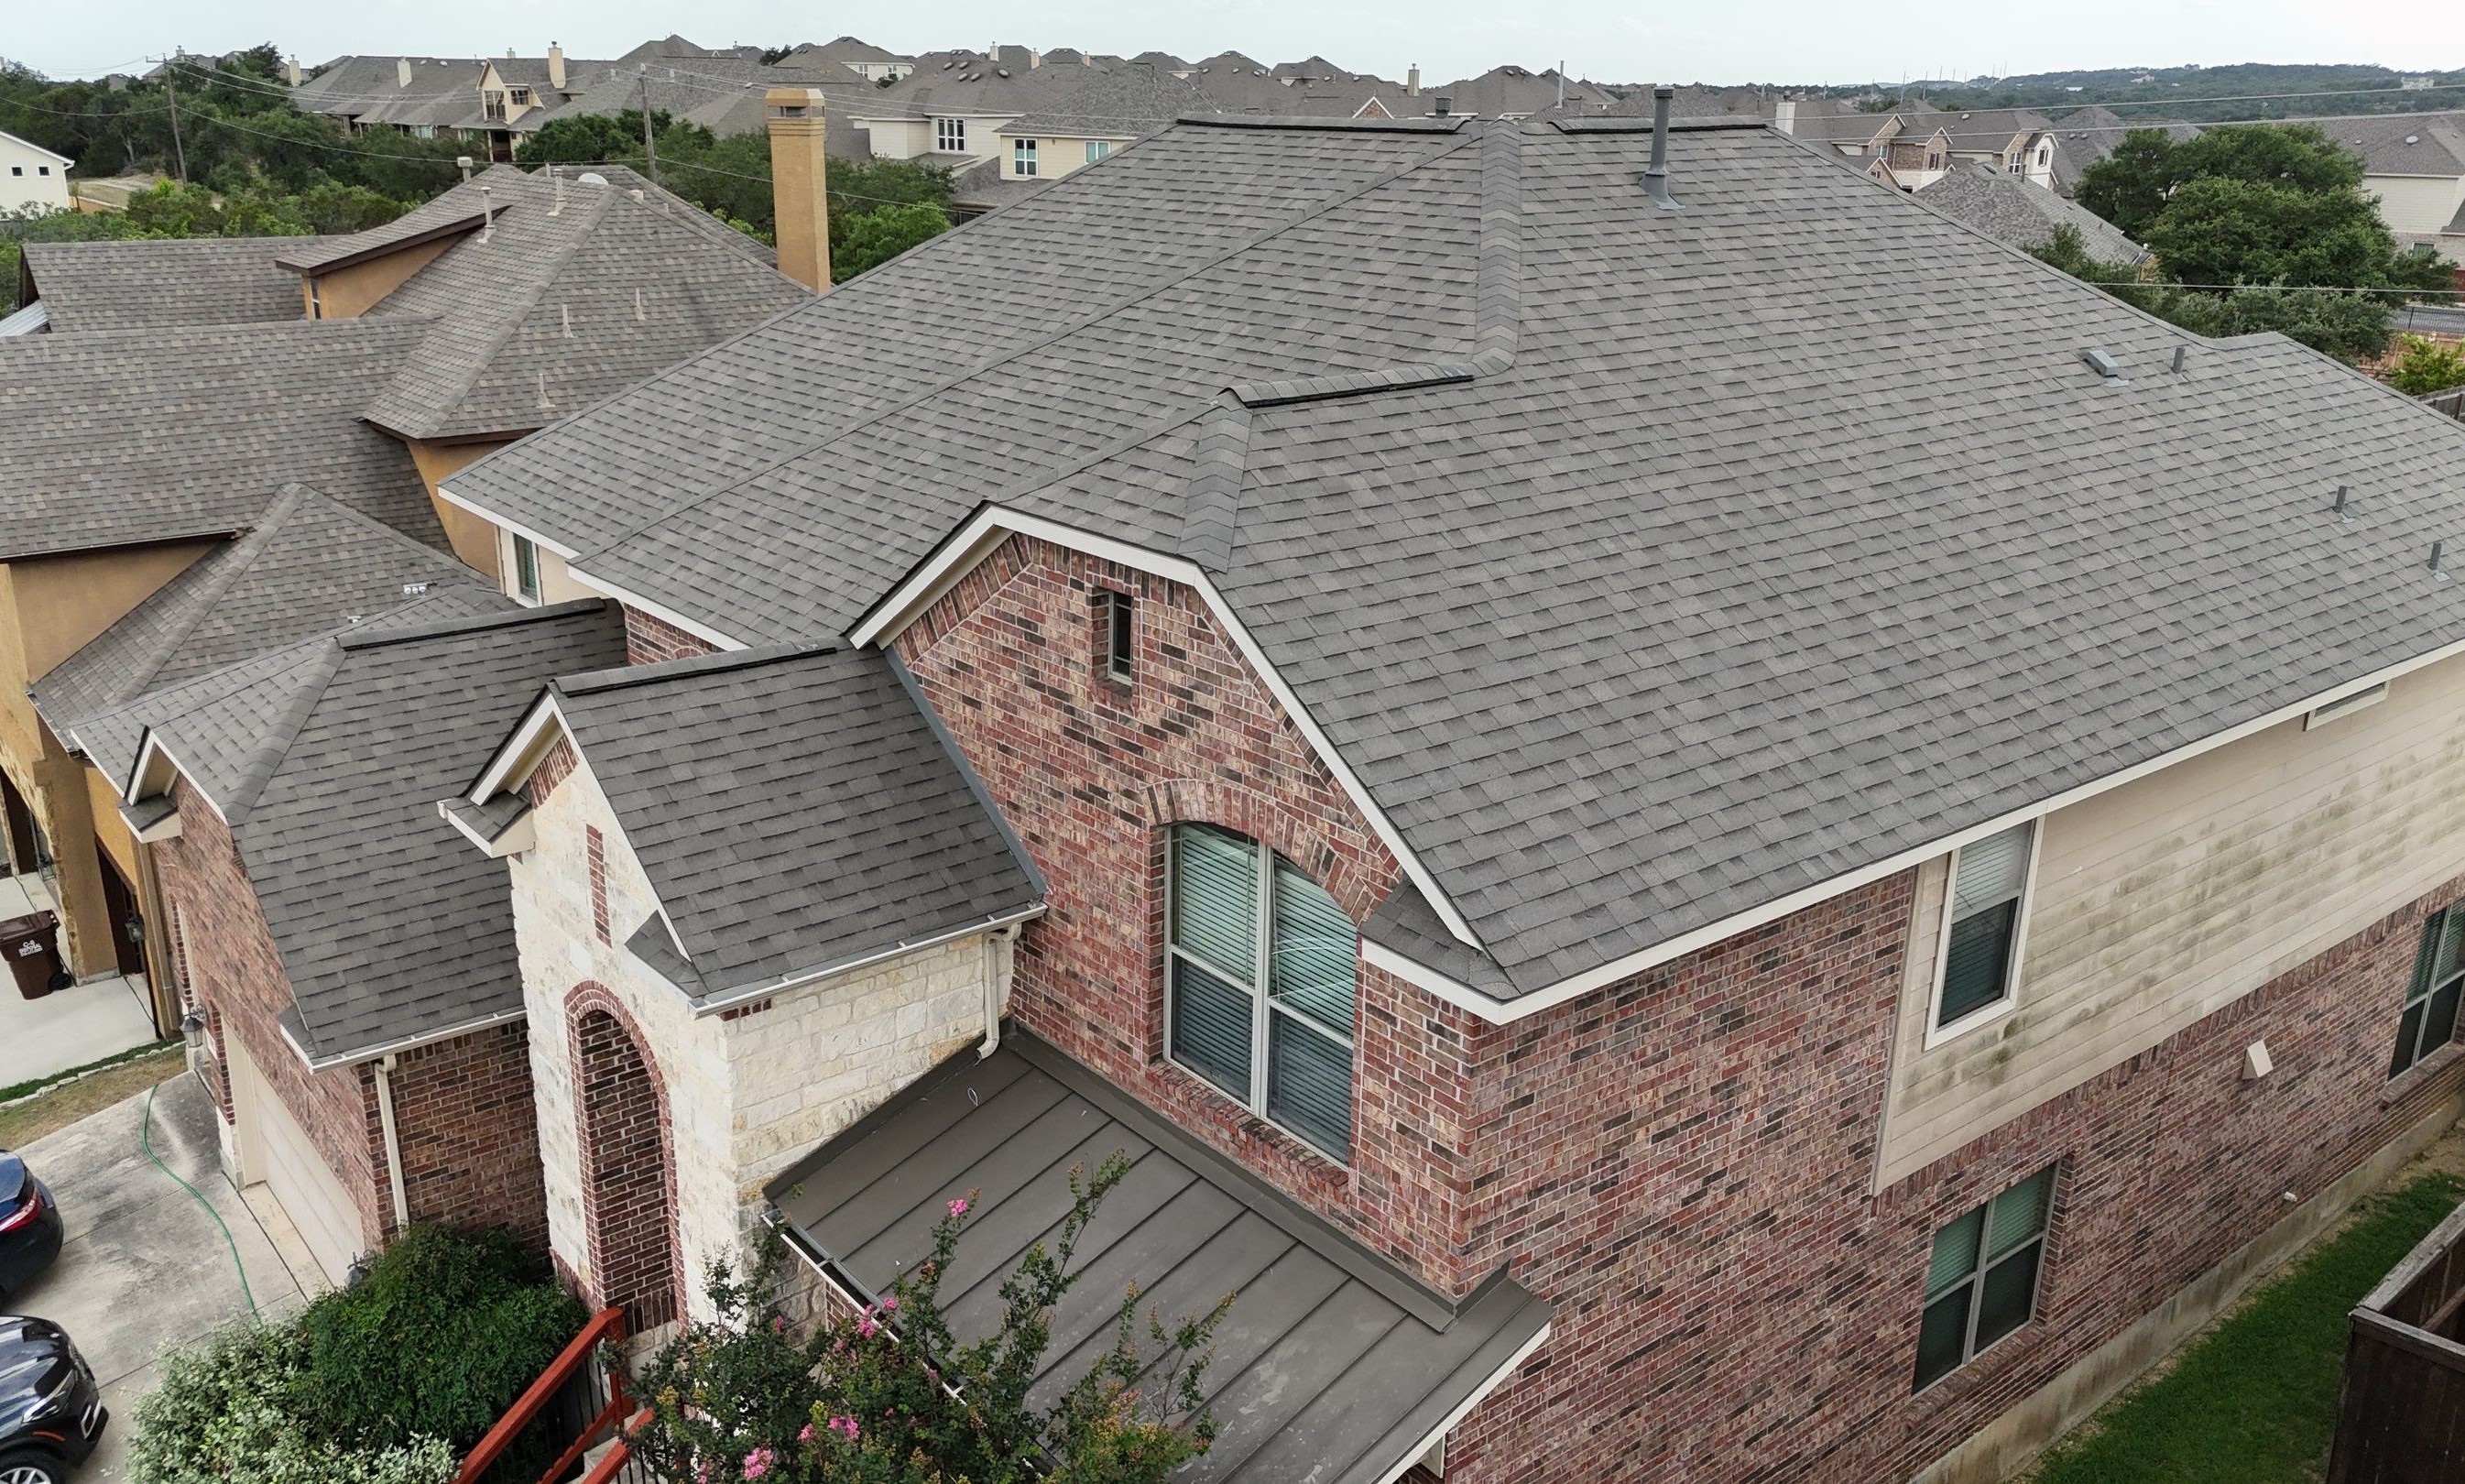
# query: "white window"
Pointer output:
{"type": "Point", "coordinates": [1022, 157]}
{"type": "Point", "coordinates": [1260, 999]}
{"type": "Point", "coordinates": [526, 582]}
{"type": "Point", "coordinates": [1982, 1281]}
{"type": "Point", "coordinates": [1099, 148]}
{"type": "Point", "coordinates": [951, 136]}
{"type": "Point", "coordinates": [2430, 1020]}
{"type": "Point", "coordinates": [1981, 939]}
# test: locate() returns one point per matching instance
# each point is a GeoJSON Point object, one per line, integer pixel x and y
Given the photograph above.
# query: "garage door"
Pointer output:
{"type": "Point", "coordinates": [274, 1149]}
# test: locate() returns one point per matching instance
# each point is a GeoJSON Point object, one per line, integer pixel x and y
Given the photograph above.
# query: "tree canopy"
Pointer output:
{"type": "Point", "coordinates": [2256, 227]}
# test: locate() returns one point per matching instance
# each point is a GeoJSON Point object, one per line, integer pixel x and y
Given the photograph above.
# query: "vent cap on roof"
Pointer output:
{"type": "Point", "coordinates": [2104, 364]}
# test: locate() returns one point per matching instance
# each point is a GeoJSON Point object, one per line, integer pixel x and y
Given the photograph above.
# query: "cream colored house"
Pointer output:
{"type": "Point", "coordinates": [32, 179]}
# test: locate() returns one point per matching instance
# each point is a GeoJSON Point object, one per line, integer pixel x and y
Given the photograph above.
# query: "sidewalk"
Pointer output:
{"type": "Point", "coordinates": [67, 1028]}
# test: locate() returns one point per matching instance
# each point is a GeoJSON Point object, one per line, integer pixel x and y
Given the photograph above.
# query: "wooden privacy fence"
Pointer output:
{"type": "Point", "coordinates": [577, 1403]}
{"type": "Point", "coordinates": [2451, 402]}
{"type": "Point", "coordinates": [2403, 1417]}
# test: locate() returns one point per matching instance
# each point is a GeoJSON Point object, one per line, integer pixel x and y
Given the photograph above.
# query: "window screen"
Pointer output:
{"type": "Point", "coordinates": [1986, 882]}
{"type": "Point", "coordinates": [1261, 996]}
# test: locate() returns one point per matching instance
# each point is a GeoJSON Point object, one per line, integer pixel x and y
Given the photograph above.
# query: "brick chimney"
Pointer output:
{"type": "Point", "coordinates": [800, 184]}
{"type": "Point", "coordinates": [556, 66]}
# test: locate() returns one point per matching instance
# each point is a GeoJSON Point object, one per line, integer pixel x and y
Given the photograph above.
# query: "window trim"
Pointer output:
{"type": "Point", "coordinates": [1975, 1282]}
{"type": "Point", "coordinates": [1937, 1032]}
{"type": "Point", "coordinates": [1261, 1000]}
{"type": "Point", "coordinates": [2434, 927]}
{"type": "Point", "coordinates": [949, 134]}
{"type": "Point", "coordinates": [1022, 158]}
{"type": "Point", "coordinates": [1119, 636]}
{"type": "Point", "coordinates": [525, 591]}
{"type": "Point", "coordinates": [1099, 149]}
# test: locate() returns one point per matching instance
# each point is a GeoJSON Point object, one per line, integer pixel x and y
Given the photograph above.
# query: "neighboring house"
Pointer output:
{"type": "Point", "coordinates": [32, 179]}
{"type": "Point", "coordinates": [950, 109]}
{"type": "Point", "coordinates": [1104, 114]}
{"type": "Point", "coordinates": [363, 1009]}
{"type": "Point", "coordinates": [2413, 165]}
{"type": "Point", "coordinates": [866, 60]}
{"type": "Point", "coordinates": [1648, 912]}
{"type": "Point", "coordinates": [2007, 208]}
{"type": "Point", "coordinates": [287, 406]}
{"type": "Point", "coordinates": [1511, 92]}
{"type": "Point", "coordinates": [1916, 143]}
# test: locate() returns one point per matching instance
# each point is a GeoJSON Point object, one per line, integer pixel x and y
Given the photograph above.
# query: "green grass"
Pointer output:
{"type": "Point", "coordinates": [17, 1090]}
{"type": "Point", "coordinates": [2255, 1400]}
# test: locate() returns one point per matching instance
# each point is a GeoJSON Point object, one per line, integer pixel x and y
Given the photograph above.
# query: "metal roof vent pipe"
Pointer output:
{"type": "Point", "coordinates": [487, 216]}
{"type": "Point", "coordinates": [1655, 175]}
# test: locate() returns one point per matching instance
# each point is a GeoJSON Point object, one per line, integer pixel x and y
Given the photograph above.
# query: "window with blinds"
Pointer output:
{"type": "Point", "coordinates": [1260, 1000]}
{"type": "Point", "coordinates": [2430, 1019]}
{"type": "Point", "coordinates": [1982, 1281]}
{"type": "Point", "coordinates": [1987, 878]}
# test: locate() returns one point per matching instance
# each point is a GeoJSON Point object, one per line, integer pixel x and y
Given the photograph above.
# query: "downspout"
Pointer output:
{"type": "Point", "coordinates": [393, 1142]}
{"type": "Point", "coordinates": [994, 977]}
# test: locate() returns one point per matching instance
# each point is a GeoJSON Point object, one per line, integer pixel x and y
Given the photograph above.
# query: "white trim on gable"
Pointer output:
{"type": "Point", "coordinates": [37, 149]}
{"type": "Point", "coordinates": [147, 751]}
{"type": "Point", "coordinates": [985, 531]}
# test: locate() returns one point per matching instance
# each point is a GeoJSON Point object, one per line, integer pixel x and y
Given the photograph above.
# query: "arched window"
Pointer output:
{"type": "Point", "coordinates": [1260, 998]}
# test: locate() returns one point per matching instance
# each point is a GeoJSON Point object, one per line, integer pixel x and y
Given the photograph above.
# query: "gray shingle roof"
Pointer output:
{"type": "Point", "coordinates": [162, 283]}
{"type": "Point", "coordinates": [2007, 208]}
{"type": "Point", "coordinates": [327, 758]}
{"type": "Point", "coordinates": [555, 308]}
{"type": "Point", "coordinates": [802, 815]}
{"type": "Point", "coordinates": [1331, 1365]}
{"type": "Point", "coordinates": [2401, 143]}
{"type": "Point", "coordinates": [116, 436]}
{"type": "Point", "coordinates": [307, 565]}
{"type": "Point", "coordinates": [966, 83]}
{"type": "Point", "coordinates": [1690, 608]}
{"type": "Point", "coordinates": [1122, 104]}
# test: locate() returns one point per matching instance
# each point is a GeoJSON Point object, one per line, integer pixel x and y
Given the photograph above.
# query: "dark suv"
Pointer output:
{"type": "Point", "coordinates": [51, 1413]}
{"type": "Point", "coordinates": [29, 1228]}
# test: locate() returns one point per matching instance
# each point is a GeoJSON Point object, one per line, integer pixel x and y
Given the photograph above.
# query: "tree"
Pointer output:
{"type": "Point", "coordinates": [881, 235]}
{"type": "Point", "coordinates": [890, 1396]}
{"type": "Point", "coordinates": [590, 138]}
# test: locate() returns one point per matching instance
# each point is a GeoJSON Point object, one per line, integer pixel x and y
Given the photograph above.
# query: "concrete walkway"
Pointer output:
{"type": "Point", "coordinates": [67, 1028]}
{"type": "Point", "coordinates": [144, 1267]}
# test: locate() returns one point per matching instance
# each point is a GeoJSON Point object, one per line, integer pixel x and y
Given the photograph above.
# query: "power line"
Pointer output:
{"type": "Point", "coordinates": [2272, 288]}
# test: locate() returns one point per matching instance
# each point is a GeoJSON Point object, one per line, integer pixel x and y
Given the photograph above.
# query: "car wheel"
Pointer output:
{"type": "Point", "coordinates": [29, 1466]}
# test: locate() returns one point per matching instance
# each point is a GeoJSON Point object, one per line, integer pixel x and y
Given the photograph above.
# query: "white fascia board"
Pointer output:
{"type": "Point", "coordinates": [153, 748]}
{"type": "Point", "coordinates": [536, 538]}
{"type": "Point", "coordinates": [1447, 988]}
{"type": "Point", "coordinates": [656, 609]}
{"type": "Point", "coordinates": [799, 977]}
{"type": "Point", "coordinates": [406, 1043]}
{"type": "Point", "coordinates": [990, 527]}
{"type": "Point", "coordinates": [516, 839]}
{"type": "Point", "coordinates": [168, 827]}
{"type": "Point", "coordinates": [1463, 1408]}
{"type": "Point", "coordinates": [514, 756]}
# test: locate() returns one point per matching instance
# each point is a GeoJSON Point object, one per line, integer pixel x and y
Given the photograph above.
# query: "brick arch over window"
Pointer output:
{"type": "Point", "coordinates": [1357, 881]}
{"type": "Point", "coordinates": [629, 1165]}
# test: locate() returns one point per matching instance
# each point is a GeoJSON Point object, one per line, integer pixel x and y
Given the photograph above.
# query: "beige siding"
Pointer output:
{"type": "Point", "coordinates": [2161, 902]}
{"type": "Point", "coordinates": [2417, 203]}
{"type": "Point", "coordinates": [556, 584]}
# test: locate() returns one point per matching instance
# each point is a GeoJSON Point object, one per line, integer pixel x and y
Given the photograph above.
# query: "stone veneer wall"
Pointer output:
{"type": "Point", "coordinates": [1682, 1163]}
{"type": "Point", "coordinates": [748, 1089]}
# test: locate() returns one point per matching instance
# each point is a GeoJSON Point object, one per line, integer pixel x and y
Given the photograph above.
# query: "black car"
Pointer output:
{"type": "Point", "coordinates": [29, 1228]}
{"type": "Point", "coordinates": [51, 1413]}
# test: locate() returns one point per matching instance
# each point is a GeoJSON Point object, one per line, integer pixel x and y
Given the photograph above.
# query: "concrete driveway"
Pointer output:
{"type": "Point", "coordinates": [142, 1267]}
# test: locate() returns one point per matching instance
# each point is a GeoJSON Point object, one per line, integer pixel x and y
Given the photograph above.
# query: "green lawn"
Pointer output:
{"type": "Point", "coordinates": [2255, 1400]}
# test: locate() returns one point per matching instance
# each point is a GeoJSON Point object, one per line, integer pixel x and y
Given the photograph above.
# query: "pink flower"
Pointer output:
{"type": "Point", "coordinates": [778, 1323]}
{"type": "Point", "coordinates": [757, 1463]}
{"type": "Point", "coordinates": [958, 1208]}
{"type": "Point", "coordinates": [844, 1427]}
{"type": "Point", "coordinates": [866, 1327]}
{"type": "Point", "coordinates": [889, 1303]}
{"type": "Point", "coordinates": [805, 1433]}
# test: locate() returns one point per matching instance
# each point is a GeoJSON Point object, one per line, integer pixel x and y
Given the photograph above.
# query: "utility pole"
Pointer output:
{"type": "Point", "coordinates": [650, 145]}
{"type": "Point", "coordinates": [171, 96]}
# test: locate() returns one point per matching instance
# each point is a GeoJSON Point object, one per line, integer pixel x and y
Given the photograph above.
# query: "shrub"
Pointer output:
{"type": "Point", "coordinates": [232, 1408]}
{"type": "Point", "coordinates": [440, 1337]}
{"type": "Point", "coordinates": [2425, 366]}
{"type": "Point", "coordinates": [889, 1397]}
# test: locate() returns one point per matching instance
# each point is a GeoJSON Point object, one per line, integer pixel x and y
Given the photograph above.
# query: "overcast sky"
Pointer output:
{"type": "Point", "coordinates": [1612, 40]}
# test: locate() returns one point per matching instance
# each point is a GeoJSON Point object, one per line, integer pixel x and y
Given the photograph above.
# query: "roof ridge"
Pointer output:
{"type": "Point", "coordinates": [1135, 295]}
{"type": "Point", "coordinates": [369, 636]}
{"type": "Point", "coordinates": [274, 744]}
{"type": "Point", "coordinates": [594, 682]}
{"type": "Point", "coordinates": [229, 561]}
{"type": "Point", "coordinates": [1218, 469]}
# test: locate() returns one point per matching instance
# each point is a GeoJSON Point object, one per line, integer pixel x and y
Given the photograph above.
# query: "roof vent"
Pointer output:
{"type": "Point", "coordinates": [2104, 365]}
{"type": "Point", "coordinates": [591, 178]}
{"type": "Point", "coordinates": [1442, 105]}
{"type": "Point", "coordinates": [2413, 139]}
{"type": "Point", "coordinates": [1655, 175]}
{"type": "Point", "coordinates": [1001, 72]}
{"type": "Point", "coordinates": [413, 589]}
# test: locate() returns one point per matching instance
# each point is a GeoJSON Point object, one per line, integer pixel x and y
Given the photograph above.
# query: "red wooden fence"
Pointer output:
{"type": "Point", "coordinates": [578, 1360]}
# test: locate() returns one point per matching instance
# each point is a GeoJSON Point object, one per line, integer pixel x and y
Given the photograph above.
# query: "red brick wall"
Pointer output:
{"type": "Point", "coordinates": [470, 1135]}
{"type": "Point", "coordinates": [1680, 1163]}
{"type": "Point", "coordinates": [648, 640]}
{"type": "Point", "coordinates": [628, 1163]}
{"type": "Point", "coordinates": [237, 975]}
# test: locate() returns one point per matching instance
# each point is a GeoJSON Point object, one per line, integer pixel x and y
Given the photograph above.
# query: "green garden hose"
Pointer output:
{"type": "Point", "coordinates": [145, 1141]}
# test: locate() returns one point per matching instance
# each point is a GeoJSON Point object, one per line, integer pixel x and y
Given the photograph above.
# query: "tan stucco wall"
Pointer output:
{"type": "Point", "coordinates": [2161, 902]}
{"type": "Point", "coordinates": [745, 1097]}
{"type": "Point", "coordinates": [557, 584]}
{"type": "Point", "coordinates": [49, 609]}
{"type": "Point", "coordinates": [348, 293]}
{"type": "Point", "coordinates": [472, 538]}
{"type": "Point", "coordinates": [110, 830]}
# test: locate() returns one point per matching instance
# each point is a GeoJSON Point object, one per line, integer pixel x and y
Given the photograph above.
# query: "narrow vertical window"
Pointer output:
{"type": "Point", "coordinates": [1117, 621]}
{"type": "Point", "coordinates": [2430, 1019]}
{"type": "Point", "coordinates": [1262, 991]}
{"type": "Point", "coordinates": [1988, 877]}
{"type": "Point", "coordinates": [1022, 157]}
{"type": "Point", "coordinates": [526, 581]}
{"type": "Point", "coordinates": [1982, 1280]}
